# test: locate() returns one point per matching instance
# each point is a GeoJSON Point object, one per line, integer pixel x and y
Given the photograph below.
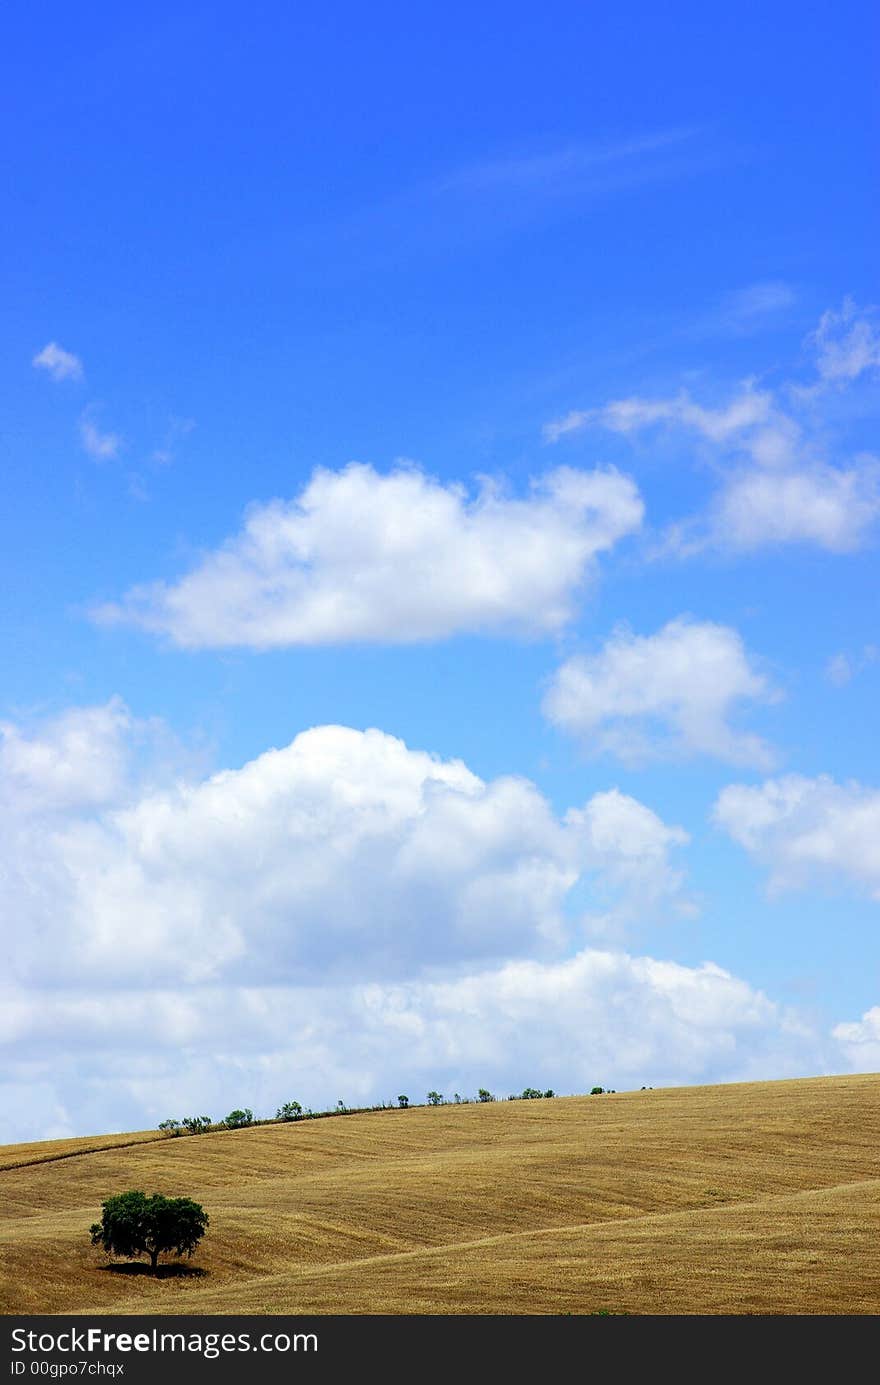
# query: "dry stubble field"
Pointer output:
{"type": "Point", "coordinates": [749, 1198]}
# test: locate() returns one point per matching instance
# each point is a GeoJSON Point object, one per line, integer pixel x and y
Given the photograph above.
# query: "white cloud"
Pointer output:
{"type": "Point", "coordinates": [102, 446]}
{"type": "Point", "coordinates": [751, 409]}
{"type": "Point", "coordinates": [343, 917]}
{"type": "Point", "coordinates": [569, 169]}
{"type": "Point", "coordinates": [60, 364]}
{"type": "Point", "coordinates": [861, 1041]}
{"type": "Point", "coordinates": [842, 668]}
{"type": "Point", "coordinates": [664, 695]}
{"type": "Point", "coordinates": [828, 506]}
{"type": "Point", "coordinates": [749, 306]}
{"type": "Point", "coordinates": [846, 344]}
{"type": "Point", "coordinates": [78, 1061]}
{"type": "Point", "coordinates": [839, 670]}
{"type": "Point", "coordinates": [345, 854]}
{"type": "Point", "coordinates": [630, 848]}
{"type": "Point", "coordinates": [777, 486]}
{"type": "Point", "coordinates": [396, 558]}
{"type": "Point", "coordinates": [807, 830]}
{"type": "Point", "coordinates": [79, 760]}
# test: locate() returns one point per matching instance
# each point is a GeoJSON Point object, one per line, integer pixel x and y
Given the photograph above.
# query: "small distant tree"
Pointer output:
{"type": "Point", "coordinates": [483, 1095]}
{"type": "Point", "coordinates": [403, 1102]}
{"type": "Point", "coordinates": [341, 1107]}
{"type": "Point", "coordinates": [236, 1119]}
{"type": "Point", "coordinates": [531, 1093]}
{"type": "Point", "coordinates": [435, 1099]}
{"type": "Point", "coordinates": [290, 1111]}
{"type": "Point", "coordinates": [170, 1127]}
{"type": "Point", "coordinates": [197, 1125]}
{"type": "Point", "coordinates": [549, 1092]}
{"type": "Point", "coordinates": [133, 1224]}
{"type": "Point", "coordinates": [597, 1091]}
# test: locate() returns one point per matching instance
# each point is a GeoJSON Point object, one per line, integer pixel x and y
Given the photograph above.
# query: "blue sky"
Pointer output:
{"type": "Point", "coordinates": [439, 559]}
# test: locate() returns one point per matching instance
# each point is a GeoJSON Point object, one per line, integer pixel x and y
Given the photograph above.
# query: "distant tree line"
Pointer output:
{"type": "Point", "coordinates": [295, 1111]}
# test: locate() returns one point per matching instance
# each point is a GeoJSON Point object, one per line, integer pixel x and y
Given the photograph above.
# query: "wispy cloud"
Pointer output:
{"type": "Point", "coordinates": [512, 191]}
{"type": "Point", "coordinates": [842, 668]}
{"type": "Point", "coordinates": [567, 169]}
{"type": "Point", "coordinates": [745, 411]}
{"type": "Point", "coordinates": [846, 343]}
{"type": "Point", "coordinates": [178, 428]}
{"type": "Point", "coordinates": [777, 485]}
{"type": "Point", "coordinates": [103, 446]}
{"type": "Point", "coordinates": [60, 364]}
{"type": "Point", "coordinates": [751, 307]}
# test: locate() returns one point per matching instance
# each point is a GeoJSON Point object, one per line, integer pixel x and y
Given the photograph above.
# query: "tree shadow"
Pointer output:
{"type": "Point", "coordinates": [160, 1272]}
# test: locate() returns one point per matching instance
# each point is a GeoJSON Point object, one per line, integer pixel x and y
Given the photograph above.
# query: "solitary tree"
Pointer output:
{"type": "Point", "coordinates": [484, 1095]}
{"type": "Point", "coordinates": [403, 1101]}
{"type": "Point", "coordinates": [435, 1099]}
{"type": "Point", "coordinates": [133, 1224]}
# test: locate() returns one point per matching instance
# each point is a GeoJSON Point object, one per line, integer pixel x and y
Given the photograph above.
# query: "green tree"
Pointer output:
{"type": "Point", "coordinates": [435, 1099]}
{"type": "Point", "coordinates": [170, 1127]}
{"type": "Point", "coordinates": [133, 1224]}
{"type": "Point", "coordinates": [290, 1111]}
{"type": "Point", "coordinates": [484, 1095]}
{"type": "Point", "coordinates": [403, 1102]}
{"type": "Point", "coordinates": [237, 1118]}
{"type": "Point", "coordinates": [197, 1125]}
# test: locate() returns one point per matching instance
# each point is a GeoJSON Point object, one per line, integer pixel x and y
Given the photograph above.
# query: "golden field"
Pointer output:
{"type": "Point", "coordinates": [759, 1197]}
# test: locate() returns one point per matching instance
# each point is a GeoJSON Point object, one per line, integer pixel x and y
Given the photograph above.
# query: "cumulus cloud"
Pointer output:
{"type": "Point", "coordinates": [60, 364]}
{"type": "Point", "coordinates": [630, 848]}
{"type": "Point", "coordinates": [831, 507]}
{"type": "Point", "coordinates": [103, 446]}
{"type": "Point", "coordinates": [344, 916]}
{"type": "Point", "coordinates": [78, 1063]}
{"type": "Point", "coordinates": [78, 760]}
{"type": "Point", "coordinates": [860, 1041]}
{"type": "Point", "coordinates": [343, 854]}
{"type": "Point", "coordinates": [807, 830]}
{"type": "Point", "coordinates": [394, 558]}
{"type": "Point", "coordinates": [670, 694]}
{"type": "Point", "coordinates": [777, 486]}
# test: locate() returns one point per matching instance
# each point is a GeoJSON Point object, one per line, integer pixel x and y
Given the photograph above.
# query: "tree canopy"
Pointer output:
{"type": "Point", "coordinates": [133, 1224]}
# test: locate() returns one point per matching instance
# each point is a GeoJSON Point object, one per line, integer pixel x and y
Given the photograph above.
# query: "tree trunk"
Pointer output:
{"type": "Point", "coordinates": [154, 1257]}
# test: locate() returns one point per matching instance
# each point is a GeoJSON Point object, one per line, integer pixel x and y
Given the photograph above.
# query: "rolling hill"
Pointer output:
{"type": "Point", "coordinates": [743, 1198]}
